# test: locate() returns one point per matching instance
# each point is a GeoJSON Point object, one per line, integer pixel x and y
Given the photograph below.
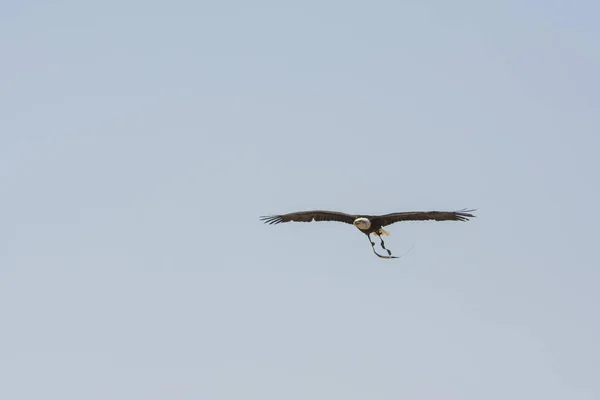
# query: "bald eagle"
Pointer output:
{"type": "Point", "coordinates": [370, 224]}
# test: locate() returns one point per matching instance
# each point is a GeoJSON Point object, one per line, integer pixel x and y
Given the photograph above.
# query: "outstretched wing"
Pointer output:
{"type": "Point", "coordinates": [462, 215]}
{"type": "Point", "coordinates": [308, 216]}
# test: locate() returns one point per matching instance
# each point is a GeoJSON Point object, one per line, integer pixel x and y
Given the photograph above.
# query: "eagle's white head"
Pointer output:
{"type": "Point", "coordinates": [362, 223]}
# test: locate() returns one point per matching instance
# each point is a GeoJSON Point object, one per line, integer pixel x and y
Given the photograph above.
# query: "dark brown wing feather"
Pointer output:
{"type": "Point", "coordinates": [308, 216]}
{"type": "Point", "coordinates": [462, 215]}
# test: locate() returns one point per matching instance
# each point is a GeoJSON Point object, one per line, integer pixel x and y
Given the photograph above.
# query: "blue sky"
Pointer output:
{"type": "Point", "coordinates": [141, 141]}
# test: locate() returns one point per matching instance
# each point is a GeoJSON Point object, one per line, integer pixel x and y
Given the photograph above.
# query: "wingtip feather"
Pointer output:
{"type": "Point", "coordinates": [271, 219]}
{"type": "Point", "coordinates": [465, 214]}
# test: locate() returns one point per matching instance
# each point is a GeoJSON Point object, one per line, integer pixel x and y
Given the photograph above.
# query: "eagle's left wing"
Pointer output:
{"type": "Point", "coordinates": [387, 219]}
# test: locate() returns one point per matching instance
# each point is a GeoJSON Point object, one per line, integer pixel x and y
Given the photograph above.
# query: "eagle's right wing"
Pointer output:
{"type": "Point", "coordinates": [308, 216]}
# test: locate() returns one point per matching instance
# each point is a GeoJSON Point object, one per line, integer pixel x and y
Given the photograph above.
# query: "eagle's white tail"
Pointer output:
{"type": "Point", "coordinates": [383, 232]}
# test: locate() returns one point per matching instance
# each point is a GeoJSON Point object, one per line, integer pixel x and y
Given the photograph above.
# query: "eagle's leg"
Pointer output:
{"type": "Point", "coordinates": [377, 254]}
{"type": "Point", "coordinates": [383, 245]}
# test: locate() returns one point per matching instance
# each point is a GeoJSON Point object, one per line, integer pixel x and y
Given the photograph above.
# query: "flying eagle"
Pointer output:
{"type": "Point", "coordinates": [370, 224]}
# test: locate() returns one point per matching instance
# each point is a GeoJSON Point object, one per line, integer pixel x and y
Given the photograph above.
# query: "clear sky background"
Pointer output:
{"type": "Point", "coordinates": [140, 141]}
